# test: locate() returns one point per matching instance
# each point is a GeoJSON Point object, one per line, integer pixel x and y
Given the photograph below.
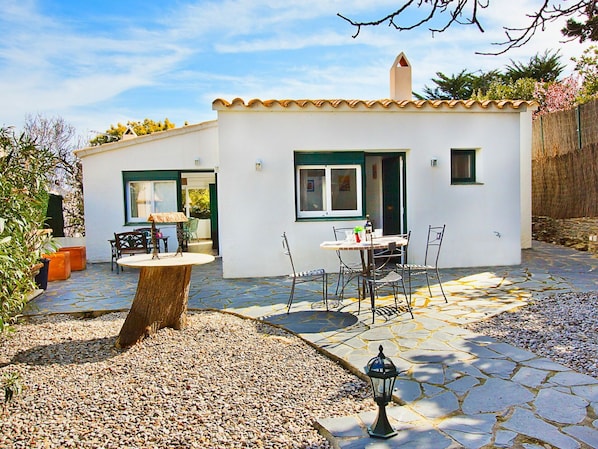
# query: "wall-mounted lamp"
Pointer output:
{"type": "Point", "coordinates": [258, 165]}
{"type": "Point", "coordinates": [434, 162]}
{"type": "Point", "coordinates": [197, 162]}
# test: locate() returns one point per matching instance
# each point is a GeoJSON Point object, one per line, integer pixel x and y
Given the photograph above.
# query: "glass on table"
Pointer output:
{"type": "Point", "coordinates": [349, 236]}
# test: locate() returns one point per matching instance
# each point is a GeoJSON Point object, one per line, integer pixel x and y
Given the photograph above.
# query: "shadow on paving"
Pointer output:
{"type": "Point", "coordinates": [311, 322]}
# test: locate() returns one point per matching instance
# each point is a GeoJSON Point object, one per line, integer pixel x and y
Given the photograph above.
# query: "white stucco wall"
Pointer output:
{"type": "Point", "coordinates": [103, 166]}
{"type": "Point", "coordinates": [526, 179]}
{"type": "Point", "coordinates": [484, 221]}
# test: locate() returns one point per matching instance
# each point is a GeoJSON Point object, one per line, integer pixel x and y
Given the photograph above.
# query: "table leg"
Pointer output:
{"type": "Point", "coordinates": [160, 301]}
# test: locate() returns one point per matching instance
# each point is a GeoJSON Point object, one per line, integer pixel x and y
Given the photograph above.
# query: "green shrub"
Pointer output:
{"type": "Point", "coordinates": [24, 170]}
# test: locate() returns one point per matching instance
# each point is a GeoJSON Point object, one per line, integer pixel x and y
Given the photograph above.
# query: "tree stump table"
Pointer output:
{"type": "Point", "coordinates": [162, 293]}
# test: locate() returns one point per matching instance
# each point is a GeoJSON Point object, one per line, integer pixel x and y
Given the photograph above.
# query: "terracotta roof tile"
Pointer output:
{"type": "Point", "coordinates": [256, 103]}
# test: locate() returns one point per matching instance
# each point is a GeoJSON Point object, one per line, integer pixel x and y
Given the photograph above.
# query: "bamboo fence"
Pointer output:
{"type": "Point", "coordinates": [565, 163]}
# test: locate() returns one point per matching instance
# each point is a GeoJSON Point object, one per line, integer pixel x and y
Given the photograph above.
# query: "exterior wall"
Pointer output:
{"type": "Point", "coordinates": [103, 182]}
{"type": "Point", "coordinates": [484, 221]}
{"type": "Point", "coordinates": [526, 179]}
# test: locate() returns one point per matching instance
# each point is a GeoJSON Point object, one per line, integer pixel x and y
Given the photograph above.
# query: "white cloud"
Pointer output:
{"type": "Point", "coordinates": [175, 61]}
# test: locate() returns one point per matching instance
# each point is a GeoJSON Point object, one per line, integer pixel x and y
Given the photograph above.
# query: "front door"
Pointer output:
{"type": "Point", "coordinates": [393, 194]}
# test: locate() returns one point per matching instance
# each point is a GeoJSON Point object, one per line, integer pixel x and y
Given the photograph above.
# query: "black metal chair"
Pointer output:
{"type": "Point", "coordinates": [130, 243]}
{"type": "Point", "coordinates": [347, 270]}
{"type": "Point", "coordinates": [382, 274]}
{"type": "Point", "coordinates": [430, 265]}
{"type": "Point", "coordinates": [318, 275]}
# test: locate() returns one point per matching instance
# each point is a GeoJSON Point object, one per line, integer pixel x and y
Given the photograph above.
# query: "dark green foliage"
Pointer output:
{"type": "Point", "coordinates": [23, 200]}
{"type": "Point", "coordinates": [544, 67]}
{"type": "Point", "coordinates": [454, 87]}
{"type": "Point", "coordinates": [587, 30]}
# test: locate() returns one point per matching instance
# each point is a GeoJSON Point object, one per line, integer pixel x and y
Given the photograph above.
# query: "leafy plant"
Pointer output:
{"type": "Point", "coordinates": [24, 172]}
{"type": "Point", "coordinates": [12, 386]}
{"type": "Point", "coordinates": [587, 67]}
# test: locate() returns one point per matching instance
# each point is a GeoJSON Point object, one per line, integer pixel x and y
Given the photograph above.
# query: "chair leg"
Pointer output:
{"type": "Point", "coordinates": [290, 301]}
{"type": "Point", "coordinates": [440, 283]}
{"type": "Point", "coordinates": [325, 290]}
{"type": "Point", "coordinates": [373, 301]}
{"type": "Point", "coordinates": [407, 299]}
{"type": "Point", "coordinates": [340, 281]}
{"type": "Point", "coordinates": [428, 282]}
{"type": "Point", "coordinates": [410, 287]}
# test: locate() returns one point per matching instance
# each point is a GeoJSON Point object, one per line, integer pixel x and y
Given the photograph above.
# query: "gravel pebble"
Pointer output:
{"type": "Point", "coordinates": [563, 328]}
{"type": "Point", "coordinates": [222, 382]}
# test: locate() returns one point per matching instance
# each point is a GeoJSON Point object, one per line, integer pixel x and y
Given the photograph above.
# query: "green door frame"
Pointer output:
{"type": "Point", "coordinates": [214, 214]}
{"type": "Point", "coordinates": [394, 195]}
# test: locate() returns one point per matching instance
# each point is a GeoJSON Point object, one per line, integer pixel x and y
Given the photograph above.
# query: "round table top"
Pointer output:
{"type": "Point", "coordinates": [379, 243]}
{"type": "Point", "coordinates": [165, 260]}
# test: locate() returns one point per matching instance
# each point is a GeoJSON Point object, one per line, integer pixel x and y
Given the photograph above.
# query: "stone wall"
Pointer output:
{"type": "Point", "coordinates": [577, 233]}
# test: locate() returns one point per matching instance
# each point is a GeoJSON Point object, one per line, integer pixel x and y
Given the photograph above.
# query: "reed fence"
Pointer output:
{"type": "Point", "coordinates": [565, 163]}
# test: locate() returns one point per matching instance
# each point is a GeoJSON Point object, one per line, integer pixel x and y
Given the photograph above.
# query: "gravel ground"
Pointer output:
{"type": "Point", "coordinates": [562, 327]}
{"type": "Point", "coordinates": [223, 382]}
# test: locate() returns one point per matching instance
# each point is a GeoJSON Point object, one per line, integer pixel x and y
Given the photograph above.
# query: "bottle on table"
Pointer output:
{"type": "Point", "coordinates": [368, 228]}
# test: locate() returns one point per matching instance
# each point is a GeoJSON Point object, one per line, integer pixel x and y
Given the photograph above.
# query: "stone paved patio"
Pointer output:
{"type": "Point", "coordinates": [456, 388]}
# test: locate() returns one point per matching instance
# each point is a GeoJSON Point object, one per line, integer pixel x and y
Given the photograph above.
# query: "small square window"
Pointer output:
{"type": "Point", "coordinates": [463, 166]}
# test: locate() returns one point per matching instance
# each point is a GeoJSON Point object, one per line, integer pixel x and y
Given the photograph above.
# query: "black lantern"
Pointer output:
{"type": "Point", "coordinates": [382, 373]}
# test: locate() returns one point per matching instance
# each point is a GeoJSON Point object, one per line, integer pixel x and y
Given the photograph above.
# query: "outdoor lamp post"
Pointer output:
{"type": "Point", "coordinates": [382, 373]}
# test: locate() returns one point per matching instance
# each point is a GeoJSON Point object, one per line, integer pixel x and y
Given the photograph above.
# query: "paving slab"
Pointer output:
{"type": "Point", "coordinates": [457, 388]}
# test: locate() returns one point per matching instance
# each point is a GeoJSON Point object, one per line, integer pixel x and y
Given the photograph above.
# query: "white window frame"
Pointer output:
{"type": "Point", "coordinates": [152, 183]}
{"type": "Point", "coordinates": [328, 212]}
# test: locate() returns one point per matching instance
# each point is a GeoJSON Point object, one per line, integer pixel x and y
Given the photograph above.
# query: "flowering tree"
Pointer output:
{"type": "Point", "coordinates": [557, 96]}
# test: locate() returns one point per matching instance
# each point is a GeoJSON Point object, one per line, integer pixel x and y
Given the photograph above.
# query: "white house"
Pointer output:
{"type": "Point", "coordinates": [302, 166]}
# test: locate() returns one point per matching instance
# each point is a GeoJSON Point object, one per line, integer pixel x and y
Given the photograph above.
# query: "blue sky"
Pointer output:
{"type": "Point", "coordinates": [98, 62]}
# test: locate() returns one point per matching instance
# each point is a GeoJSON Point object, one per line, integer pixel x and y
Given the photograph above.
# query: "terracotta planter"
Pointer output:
{"type": "Point", "coordinates": [60, 265]}
{"type": "Point", "coordinates": [78, 257]}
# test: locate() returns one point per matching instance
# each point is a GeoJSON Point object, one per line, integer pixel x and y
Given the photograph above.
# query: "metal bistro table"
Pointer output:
{"type": "Point", "coordinates": [363, 247]}
{"type": "Point", "coordinates": [162, 293]}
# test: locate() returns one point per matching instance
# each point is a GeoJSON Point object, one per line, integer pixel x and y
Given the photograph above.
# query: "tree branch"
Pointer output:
{"type": "Point", "coordinates": [465, 12]}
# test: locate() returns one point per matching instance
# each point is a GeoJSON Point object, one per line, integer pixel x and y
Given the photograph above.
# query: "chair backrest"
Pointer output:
{"type": "Point", "coordinates": [435, 236]}
{"type": "Point", "coordinates": [340, 234]}
{"type": "Point", "coordinates": [131, 242]}
{"type": "Point", "coordinates": [147, 232]}
{"type": "Point", "coordinates": [388, 258]}
{"type": "Point", "coordinates": [287, 250]}
{"type": "Point", "coordinates": [193, 224]}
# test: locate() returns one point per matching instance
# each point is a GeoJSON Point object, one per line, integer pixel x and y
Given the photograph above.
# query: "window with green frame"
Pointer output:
{"type": "Point", "coordinates": [329, 184]}
{"type": "Point", "coordinates": [463, 166]}
{"type": "Point", "coordinates": [149, 192]}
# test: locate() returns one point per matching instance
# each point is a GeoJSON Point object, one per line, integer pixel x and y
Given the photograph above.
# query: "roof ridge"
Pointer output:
{"type": "Point", "coordinates": [386, 103]}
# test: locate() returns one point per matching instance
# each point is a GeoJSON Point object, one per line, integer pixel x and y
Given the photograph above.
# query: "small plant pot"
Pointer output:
{"type": "Point", "coordinates": [41, 278]}
{"type": "Point", "coordinates": [78, 257]}
{"type": "Point", "coordinates": [60, 267]}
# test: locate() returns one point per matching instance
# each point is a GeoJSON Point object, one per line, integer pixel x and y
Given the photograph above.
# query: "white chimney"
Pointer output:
{"type": "Point", "coordinates": [400, 79]}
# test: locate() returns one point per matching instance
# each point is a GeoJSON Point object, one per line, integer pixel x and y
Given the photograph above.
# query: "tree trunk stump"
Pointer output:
{"type": "Point", "coordinates": [160, 301]}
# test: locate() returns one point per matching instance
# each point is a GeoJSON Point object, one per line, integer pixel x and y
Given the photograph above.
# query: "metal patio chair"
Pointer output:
{"type": "Point", "coordinates": [348, 270]}
{"type": "Point", "coordinates": [430, 265]}
{"type": "Point", "coordinates": [314, 275]}
{"type": "Point", "coordinates": [382, 273]}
